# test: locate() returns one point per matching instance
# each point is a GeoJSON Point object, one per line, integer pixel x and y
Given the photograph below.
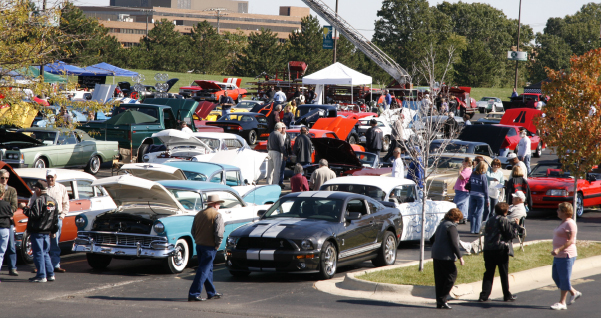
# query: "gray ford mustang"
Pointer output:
{"type": "Point", "coordinates": [314, 232]}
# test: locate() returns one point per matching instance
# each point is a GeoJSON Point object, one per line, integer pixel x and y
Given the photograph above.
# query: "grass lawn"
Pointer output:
{"type": "Point", "coordinates": [535, 255]}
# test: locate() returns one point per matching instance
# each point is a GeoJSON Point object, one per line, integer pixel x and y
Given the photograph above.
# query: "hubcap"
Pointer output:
{"type": "Point", "coordinates": [40, 164]}
{"type": "Point", "coordinates": [178, 258]}
{"type": "Point", "coordinates": [330, 261]}
{"type": "Point", "coordinates": [28, 250]}
{"type": "Point", "coordinates": [579, 205]}
{"type": "Point", "coordinates": [390, 250]}
{"type": "Point", "coordinates": [95, 164]}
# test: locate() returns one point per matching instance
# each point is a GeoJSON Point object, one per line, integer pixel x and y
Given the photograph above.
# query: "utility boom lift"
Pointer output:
{"type": "Point", "coordinates": [367, 47]}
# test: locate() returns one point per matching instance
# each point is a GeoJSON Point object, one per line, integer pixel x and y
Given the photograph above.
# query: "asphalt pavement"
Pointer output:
{"type": "Point", "coordinates": [140, 288]}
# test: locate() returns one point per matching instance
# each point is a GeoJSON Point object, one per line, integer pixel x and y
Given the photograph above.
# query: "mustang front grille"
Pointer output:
{"type": "Point", "coordinates": [264, 243]}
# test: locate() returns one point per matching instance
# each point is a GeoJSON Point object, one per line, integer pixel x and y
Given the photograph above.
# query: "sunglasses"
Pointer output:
{"type": "Point", "coordinates": [49, 177]}
{"type": "Point", "coordinates": [3, 178]}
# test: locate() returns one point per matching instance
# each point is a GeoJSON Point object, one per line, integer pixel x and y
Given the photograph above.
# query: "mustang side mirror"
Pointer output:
{"type": "Point", "coordinates": [260, 213]}
{"type": "Point", "coordinates": [351, 216]}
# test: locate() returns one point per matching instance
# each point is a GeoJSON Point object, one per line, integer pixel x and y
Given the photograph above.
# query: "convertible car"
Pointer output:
{"type": "Point", "coordinates": [550, 186]}
{"type": "Point", "coordinates": [251, 126]}
{"type": "Point", "coordinates": [403, 193]}
{"type": "Point", "coordinates": [56, 148]}
{"type": "Point", "coordinates": [315, 232]}
{"type": "Point", "coordinates": [153, 219]}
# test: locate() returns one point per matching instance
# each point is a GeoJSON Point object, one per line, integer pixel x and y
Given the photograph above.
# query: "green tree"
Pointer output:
{"type": "Point", "coordinates": [553, 52]}
{"type": "Point", "coordinates": [306, 46]}
{"type": "Point", "coordinates": [95, 44]}
{"type": "Point", "coordinates": [157, 50]}
{"type": "Point", "coordinates": [208, 50]}
{"type": "Point", "coordinates": [237, 41]}
{"type": "Point", "coordinates": [263, 54]}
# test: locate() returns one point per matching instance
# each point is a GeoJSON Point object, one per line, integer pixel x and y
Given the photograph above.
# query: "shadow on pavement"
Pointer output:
{"type": "Point", "coordinates": [381, 303]}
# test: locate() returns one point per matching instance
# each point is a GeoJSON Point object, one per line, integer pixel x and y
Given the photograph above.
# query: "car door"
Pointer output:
{"type": "Point", "coordinates": [88, 147]}
{"type": "Point", "coordinates": [234, 211]}
{"type": "Point", "coordinates": [358, 236]}
{"type": "Point", "coordinates": [591, 189]}
{"type": "Point", "coordinates": [67, 152]}
{"type": "Point", "coordinates": [261, 195]}
{"type": "Point", "coordinates": [69, 230]}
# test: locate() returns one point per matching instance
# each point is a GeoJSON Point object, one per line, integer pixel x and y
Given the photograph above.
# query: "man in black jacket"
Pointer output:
{"type": "Point", "coordinates": [42, 223]}
{"type": "Point", "coordinates": [6, 214]}
{"type": "Point", "coordinates": [374, 138]}
{"type": "Point", "coordinates": [303, 147]}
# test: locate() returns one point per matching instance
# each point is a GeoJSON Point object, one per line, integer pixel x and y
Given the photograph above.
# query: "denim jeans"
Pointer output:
{"type": "Point", "coordinates": [476, 205]}
{"type": "Point", "coordinates": [562, 269]}
{"type": "Point", "coordinates": [281, 177]}
{"type": "Point", "coordinates": [55, 250]}
{"type": "Point", "coordinates": [11, 251]}
{"type": "Point", "coordinates": [204, 273]}
{"type": "Point", "coordinates": [461, 201]}
{"type": "Point", "coordinates": [527, 160]}
{"type": "Point", "coordinates": [4, 233]}
{"type": "Point", "coordinates": [40, 246]}
{"type": "Point", "coordinates": [487, 213]}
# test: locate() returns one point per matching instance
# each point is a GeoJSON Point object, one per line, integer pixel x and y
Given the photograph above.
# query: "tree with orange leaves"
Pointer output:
{"type": "Point", "coordinates": [572, 115]}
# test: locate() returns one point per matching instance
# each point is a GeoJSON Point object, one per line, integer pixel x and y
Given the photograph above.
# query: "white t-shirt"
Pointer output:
{"type": "Point", "coordinates": [397, 168]}
{"type": "Point", "coordinates": [524, 147]}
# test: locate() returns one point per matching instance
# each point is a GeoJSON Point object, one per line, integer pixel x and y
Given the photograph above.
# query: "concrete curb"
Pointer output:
{"type": "Point", "coordinates": [530, 279]}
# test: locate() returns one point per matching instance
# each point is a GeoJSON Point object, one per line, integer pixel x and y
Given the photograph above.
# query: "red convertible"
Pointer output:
{"type": "Point", "coordinates": [213, 90]}
{"type": "Point", "coordinates": [550, 186]}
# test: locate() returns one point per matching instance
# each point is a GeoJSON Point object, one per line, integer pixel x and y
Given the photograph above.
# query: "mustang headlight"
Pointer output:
{"type": "Point", "coordinates": [232, 241]}
{"type": "Point", "coordinates": [81, 221]}
{"type": "Point", "coordinates": [159, 227]}
{"type": "Point", "coordinates": [557, 193]}
{"type": "Point", "coordinates": [307, 245]}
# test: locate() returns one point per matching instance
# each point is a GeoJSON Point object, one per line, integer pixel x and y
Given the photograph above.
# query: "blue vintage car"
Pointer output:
{"type": "Point", "coordinates": [153, 220]}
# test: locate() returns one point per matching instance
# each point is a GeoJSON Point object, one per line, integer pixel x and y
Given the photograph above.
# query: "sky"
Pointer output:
{"type": "Point", "coordinates": [361, 13]}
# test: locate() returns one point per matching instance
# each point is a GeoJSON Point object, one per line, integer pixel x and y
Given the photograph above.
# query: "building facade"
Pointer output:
{"type": "Point", "coordinates": [130, 21]}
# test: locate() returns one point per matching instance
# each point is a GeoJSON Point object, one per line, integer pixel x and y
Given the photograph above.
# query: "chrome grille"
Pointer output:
{"type": "Point", "coordinates": [122, 239]}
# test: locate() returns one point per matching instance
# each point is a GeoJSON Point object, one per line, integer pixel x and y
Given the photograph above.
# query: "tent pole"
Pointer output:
{"type": "Point", "coordinates": [351, 93]}
{"type": "Point", "coordinates": [370, 92]}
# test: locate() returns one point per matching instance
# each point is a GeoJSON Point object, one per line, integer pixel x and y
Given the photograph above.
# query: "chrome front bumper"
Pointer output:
{"type": "Point", "coordinates": [158, 248]}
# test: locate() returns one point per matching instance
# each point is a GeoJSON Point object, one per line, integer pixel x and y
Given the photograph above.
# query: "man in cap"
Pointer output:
{"type": "Point", "coordinates": [42, 225]}
{"type": "Point", "coordinates": [523, 150]}
{"type": "Point", "coordinates": [226, 102]}
{"type": "Point", "coordinates": [10, 196]}
{"type": "Point", "coordinates": [517, 210]}
{"type": "Point", "coordinates": [59, 193]}
{"type": "Point", "coordinates": [513, 159]}
{"type": "Point", "coordinates": [208, 233]}
{"type": "Point", "coordinates": [374, 138]}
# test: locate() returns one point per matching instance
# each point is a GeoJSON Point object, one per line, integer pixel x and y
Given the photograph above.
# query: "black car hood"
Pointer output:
{"type": "Point", "coordinates": [494, 136]}
{"type": "Point", "coordinates": [311, 117]}
{"type": "Point", "coordinates": [335, 151]}
{"type": "Point", "coordinates": [9, 136]}
{"type": "Point", "coordinates": [286, 228]}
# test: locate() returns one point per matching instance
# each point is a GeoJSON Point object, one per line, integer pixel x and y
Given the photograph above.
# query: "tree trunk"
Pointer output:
{"type": "Point", "coordinates": [422, 227]}
{"type": "Point", "coordinates": [575, 199]}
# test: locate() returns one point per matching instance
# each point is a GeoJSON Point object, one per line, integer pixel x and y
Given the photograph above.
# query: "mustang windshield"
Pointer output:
{"type": "Point", "coordinates": [303, 207]}
{"type": "Point", "coordinates": [550, 171]}
{"type": "Point", "coordinates": [371, 191]}
{"type": "Point", "coordinates": [188, 199]}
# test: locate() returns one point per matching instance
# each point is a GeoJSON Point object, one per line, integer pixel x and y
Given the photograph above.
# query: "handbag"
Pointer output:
{"type": "Point", "coordinates": [467, 186]}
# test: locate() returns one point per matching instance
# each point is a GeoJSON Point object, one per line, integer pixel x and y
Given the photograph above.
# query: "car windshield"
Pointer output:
{"type": "Point", "coordinates": [47, 137]}
{"type": "Point", "coordinates": [494, 116]}
{"type": "Point", "coordinates": [371, 191]}
{"type": "Point", "coordinates": [235, 117]}
{"type": "Point", "coordinates": [447, 162]}
{"type": "Point", "coordinates": [304, 207]}
{"type": "Point", "coordinates": [211, 142]}
{"type": "Point", "coordinates": [294, 135]}
{"type": "Point", "coordinates": [301, 111]}
{"type": "Point", "coordinates": [453, 148]}
{"type": "Point", "coordinates": [246, 105]}
{"type": "Point", "coordinates": [366, 159]}
{"type": "Point", "coordinates": [195, 176]}
{"type": "Point", "coordinates": [549, 171]}
{"type": "Point", "coordinates": [190, 200]}
{"type": "Point", "coordinates": [485, 99]}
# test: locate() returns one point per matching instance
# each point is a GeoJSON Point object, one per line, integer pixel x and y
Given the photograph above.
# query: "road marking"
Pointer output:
{"type": "Point", "coordinates": [85, 291]}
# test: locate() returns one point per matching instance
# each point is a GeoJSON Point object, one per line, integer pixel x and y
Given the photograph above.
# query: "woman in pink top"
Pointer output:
{"type": "Point", "coordinates": [462, 196]}
{"type": "Point", "coordinates": [565, 253]}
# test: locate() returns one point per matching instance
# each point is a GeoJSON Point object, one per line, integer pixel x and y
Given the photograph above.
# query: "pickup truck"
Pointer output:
{"type": "Point", "coordinates": [135, 139]}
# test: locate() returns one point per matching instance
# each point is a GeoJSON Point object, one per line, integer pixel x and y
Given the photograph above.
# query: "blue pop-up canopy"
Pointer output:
{"type": "Point", "coordinates": [106, 67]}
{"type": "Point", "coordinates": [62, 68]}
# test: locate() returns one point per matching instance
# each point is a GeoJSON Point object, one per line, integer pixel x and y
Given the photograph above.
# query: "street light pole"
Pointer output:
{"type": "Point", "coordinates": [334, 35]}
{"type": "Point", "coordinates": [219, 14]}
{"type": "Point", "coordinates": [520, 2]}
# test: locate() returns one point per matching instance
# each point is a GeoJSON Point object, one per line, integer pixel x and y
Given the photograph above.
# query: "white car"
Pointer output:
{"type": "Point", "coordinates": [364, 125]}
{"type": "Point", "coordinates": [488, 104]}
{"type": "Point", "coordinates": [401, 192]}
{"type": "Point", "coordinates": [180, 145]}
{"type": "Point", "coordinates": [83, 197]}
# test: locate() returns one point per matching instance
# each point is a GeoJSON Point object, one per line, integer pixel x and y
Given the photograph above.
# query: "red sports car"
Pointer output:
{"type": "Point", "coordinates": [550, 186]}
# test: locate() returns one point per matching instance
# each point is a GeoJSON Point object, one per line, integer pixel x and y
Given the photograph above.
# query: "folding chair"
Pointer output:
{"type": "Point", "coordinates": [522, 233]}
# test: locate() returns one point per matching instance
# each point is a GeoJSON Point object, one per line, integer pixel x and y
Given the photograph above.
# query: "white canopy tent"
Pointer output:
{"type": "Point", "coordinates": [337, 74]}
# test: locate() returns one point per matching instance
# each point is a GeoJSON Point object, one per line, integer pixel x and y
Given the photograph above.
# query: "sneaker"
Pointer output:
{"type": "Point", "coordinates": [575, 297]}
{"type": "Point", "coordinates": [51, 279]}
{"type": "Point", "coordinates": [13, 272]}
{"type": "Point", "coordinates": [38, 280]}
{"type": "Point", "coordinates": [558, 306]}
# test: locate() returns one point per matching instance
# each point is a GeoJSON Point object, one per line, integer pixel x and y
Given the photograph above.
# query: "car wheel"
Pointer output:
{"type": "Point", "coordinates": [388, 251]}
{"type": "Point", "coordinates": [175, 264]}
{"type": "Point", "coordinates": [579, 205]}
{"type": "Point", "coordinates": [328, 261]}
{"type": "Point", "coordinates": [98, 261]}
{"type": "Point", "coordinates": [482, 110]}
{"type": "Point", "coordinates": [251, 137]}
{"type": "Point", "coordinates": [141, 151]}
{"type": "Point", "coordinates": [39, 163]}
{"type": "Point", "coordinates": [352, 140]}
{"type": "Point", "coordinates": [93, 165]}
{"type": "Point", "coordinates": [386, 143]}
{"type": "Point", "coordinates": [538, 151]}
{"type": "Point", "coordinates": [26, 253]}
{"type": "Point", "coordinates": [240, 273]}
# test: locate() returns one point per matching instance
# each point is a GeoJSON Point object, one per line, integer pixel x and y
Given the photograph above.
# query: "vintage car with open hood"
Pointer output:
{"type": "Point", "coordinates": [315, 232]}
{"type": "Point", "coordinates": [207, 90]}
{"type": "Point", "coordinates": [404, 194]}
{"type": "Point", "coordinates": [341, 157]}
{"type": "Point", "coordinates": [550, 185]}
{"type": "Point", "coordinates": [153, 220]}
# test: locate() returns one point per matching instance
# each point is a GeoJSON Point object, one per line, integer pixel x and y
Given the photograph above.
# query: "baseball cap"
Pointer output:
{"type": "Point", "coordinates": [520, 195]}
{"type": "Point", "coordinates": [50, 172]}
{"type": "Point", "coordinates": [41, 184]}
{"type": "Point", "coordinates": [512, 155]}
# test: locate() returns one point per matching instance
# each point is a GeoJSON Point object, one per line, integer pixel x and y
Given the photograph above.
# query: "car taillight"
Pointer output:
{"type": "Point", "coordinates": [239, 128]}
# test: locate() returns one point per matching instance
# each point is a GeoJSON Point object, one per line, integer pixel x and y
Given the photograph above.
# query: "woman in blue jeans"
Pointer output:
{"type": "Point", "coordinates": [461, 197]}
{"type": "Point", "coordinates": [478, 200]}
